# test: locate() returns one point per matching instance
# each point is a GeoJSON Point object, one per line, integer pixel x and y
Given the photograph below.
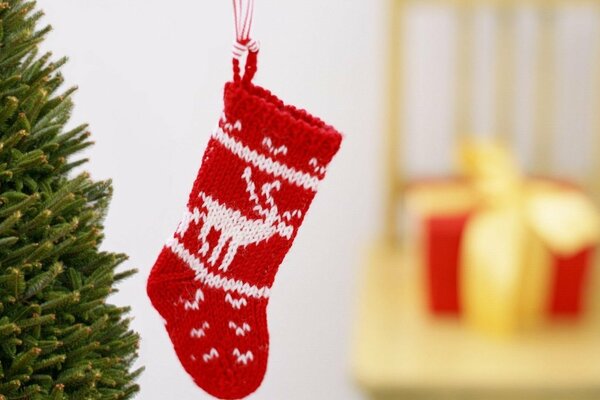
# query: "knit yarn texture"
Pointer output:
{"type": "Point", "coordinates": [211, 282]}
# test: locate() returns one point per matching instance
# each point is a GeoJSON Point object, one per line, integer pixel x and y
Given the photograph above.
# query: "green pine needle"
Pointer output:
{"type": "Point", "coordinates": [59, 338]}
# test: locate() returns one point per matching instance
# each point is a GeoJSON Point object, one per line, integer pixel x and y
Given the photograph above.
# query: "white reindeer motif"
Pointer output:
{"type": "Point", "coordinates": [237, 230]}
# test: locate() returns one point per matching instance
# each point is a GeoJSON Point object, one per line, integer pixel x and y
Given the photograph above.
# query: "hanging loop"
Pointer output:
{"type": "Point", "coordinates": [244, 46]}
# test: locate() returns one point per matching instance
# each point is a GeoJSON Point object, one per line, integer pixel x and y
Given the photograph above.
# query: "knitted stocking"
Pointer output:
{"type": "Point", "coordinates": [212, 280]}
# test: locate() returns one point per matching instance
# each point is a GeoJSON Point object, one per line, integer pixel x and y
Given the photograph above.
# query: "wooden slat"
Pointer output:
{"type": "Point", "coordinates": [545, 89]}
{"type": "Point", "coordinates": [394, 137]}
{"type": "Point", "coordinates": [464, 94]}
{"type": "Point", "coordinates": [545, 93]}
{"type": "Point", "coordinates": [505, 77]}
{"type": "Point", "coordinates": [594, 174]}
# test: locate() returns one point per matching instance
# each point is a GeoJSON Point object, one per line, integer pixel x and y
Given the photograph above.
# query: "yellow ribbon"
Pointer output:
{"type": "Point", "coordinates": [517, 225]}
{"type": "Point", "coordinates": [509, 241]}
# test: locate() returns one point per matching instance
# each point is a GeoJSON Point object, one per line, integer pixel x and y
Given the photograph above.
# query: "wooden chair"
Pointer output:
{"type": "Point", "coordinates": [399, 351]}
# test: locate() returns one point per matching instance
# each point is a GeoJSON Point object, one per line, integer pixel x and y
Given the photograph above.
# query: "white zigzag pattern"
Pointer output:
{"type": "Point", "coordinates": [318, 169]}
{"type": "Point", "coordinates": [199, 332]}
{"type": "Point", "coordinates": [237, 125]}
{"type": "Point", "coordinates": [213, 353]}
{"type": "Point", "coordinates": [239, 330]}
{"type": "Point", "coordinates": [194, 305]}
{"type": "Point", "coordinates": [288, 215]}
{"type": "Point", "coordinates": [236, 303]}
{"type": "Point", "coordinates": [214, 280]}
{"type": "Point", "coordinates": [243, 358]}
{"type": "Point", "coordinates": [266, 164]}
{"type": "Point", "coordinates": [268, 143]}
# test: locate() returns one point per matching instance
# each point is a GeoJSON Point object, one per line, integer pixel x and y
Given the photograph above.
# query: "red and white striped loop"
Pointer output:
{"type": "Point", "coordinates": [243, 11]}
{"type": "Point", "coordinates": [240, 49]}
{"type": "Point", "coordinates": [245, 49]}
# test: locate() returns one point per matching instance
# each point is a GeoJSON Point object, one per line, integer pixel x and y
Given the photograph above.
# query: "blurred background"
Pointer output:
{"type": "Point", "coordinates": [449, 253]}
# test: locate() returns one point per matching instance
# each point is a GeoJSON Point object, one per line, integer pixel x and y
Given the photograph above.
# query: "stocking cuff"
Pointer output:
{"type": "Point", "coordinates": [288, 141]}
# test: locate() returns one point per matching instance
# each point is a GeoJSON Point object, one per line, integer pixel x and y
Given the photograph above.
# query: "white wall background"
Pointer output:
{"type": "Point", "coordinates": [431, 72]}
{"type": "Point", "coordinates": [151, 74]}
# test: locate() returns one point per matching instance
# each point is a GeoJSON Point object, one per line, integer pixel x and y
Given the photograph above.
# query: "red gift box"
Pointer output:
{"type": "Point", "coordinates": [443, 210]}
{"type": "Point", "coordinates": [443, 238]}
{"type": "Point", "coordinates": [569, 281]}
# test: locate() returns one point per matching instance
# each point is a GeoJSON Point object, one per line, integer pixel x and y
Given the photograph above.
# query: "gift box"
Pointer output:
{"type": "Point", "coordinates": [502, 251]}
{"type": "Point", "coordinates": [441, 209]}
{"type": "Point", "coordinates": [443, 236]}
{"type": "Point", "coordinates": [570, 273]}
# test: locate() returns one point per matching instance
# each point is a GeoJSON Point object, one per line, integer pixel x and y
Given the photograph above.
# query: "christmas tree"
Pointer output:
{"type": "Point", "coordinates": [59, 338]}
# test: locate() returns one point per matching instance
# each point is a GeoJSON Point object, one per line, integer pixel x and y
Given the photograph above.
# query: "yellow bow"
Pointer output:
{"type": "Point", "coordinates": [510, 239]}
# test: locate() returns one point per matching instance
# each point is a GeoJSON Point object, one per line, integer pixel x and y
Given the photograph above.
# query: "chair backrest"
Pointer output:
{"type": "Point", "coordinates": [526, 72]}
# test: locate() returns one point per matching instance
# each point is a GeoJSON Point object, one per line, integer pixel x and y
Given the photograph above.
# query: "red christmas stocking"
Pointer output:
{"type": "Point", "coordinates": [212, 280]}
